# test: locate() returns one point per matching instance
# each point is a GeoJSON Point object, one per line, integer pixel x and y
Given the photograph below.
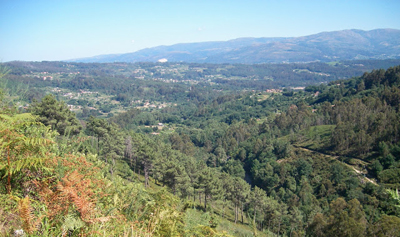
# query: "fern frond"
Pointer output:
{"type": "Point", "coordinates": [395, 195]}
{"type": "Point", "coordinates": [25, 213]}
{"type": "Point", "coordinates": [20, 120]}
{"type": "Point", "coordinates": [72, 222]}
{"type": "Point", "coordinates": [16, 140]}
{"type": "Point", "coordinates": [29, 162]}
{"type": "Point", "coordinates": [37, 141]}
{"type": "Point", "coordinates": [77, 190]}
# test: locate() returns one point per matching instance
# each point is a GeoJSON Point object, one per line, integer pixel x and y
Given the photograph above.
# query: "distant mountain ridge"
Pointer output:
{"type": "Point", "coordinates": [324, 47]}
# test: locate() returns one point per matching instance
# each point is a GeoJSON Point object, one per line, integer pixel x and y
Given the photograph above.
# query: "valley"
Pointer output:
{"type": "Point", "coordinates": [164, 149]}
{"type": "Point", "coordinates": [200, 118]}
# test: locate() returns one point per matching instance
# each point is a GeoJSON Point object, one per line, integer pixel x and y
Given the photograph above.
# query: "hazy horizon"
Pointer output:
{"type": "Point", "coordinates": [61, 30]}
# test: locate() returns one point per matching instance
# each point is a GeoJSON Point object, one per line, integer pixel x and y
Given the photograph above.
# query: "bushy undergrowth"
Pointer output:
{"type": "Point", "coordinates": [74, 194]}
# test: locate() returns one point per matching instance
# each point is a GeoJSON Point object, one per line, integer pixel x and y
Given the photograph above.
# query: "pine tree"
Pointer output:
{"type": "Point", "coordinates": [56, 115]}
{"type": "Point", "coordinates": [256, 199]}
{"type": "Point", "coordinates": [210, 184]}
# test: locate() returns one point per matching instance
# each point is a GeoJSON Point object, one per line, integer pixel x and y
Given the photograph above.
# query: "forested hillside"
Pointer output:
{"type": "Point", "coordinates": [198, 157]}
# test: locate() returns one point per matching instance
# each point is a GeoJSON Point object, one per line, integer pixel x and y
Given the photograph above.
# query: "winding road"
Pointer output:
{"type": "Point", "coordinates": [368, 179]}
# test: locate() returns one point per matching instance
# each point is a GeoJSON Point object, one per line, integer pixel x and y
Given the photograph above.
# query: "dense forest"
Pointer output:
{"type": "Point", "coordinates": [200, 150]}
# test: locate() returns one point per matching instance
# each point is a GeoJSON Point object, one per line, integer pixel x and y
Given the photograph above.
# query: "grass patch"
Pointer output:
{"type": "Point", "coordinates": [234, 229]}
{"type": "Point", "coordinates": [263, 97]}
{"type": "Point", "coordinates": [334, 63]}
{"type": "Point", "coordinates": [316, 137]}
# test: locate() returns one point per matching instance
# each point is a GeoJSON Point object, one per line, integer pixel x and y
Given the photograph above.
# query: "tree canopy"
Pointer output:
{"type": "Point", "coordinates": [57, 115]}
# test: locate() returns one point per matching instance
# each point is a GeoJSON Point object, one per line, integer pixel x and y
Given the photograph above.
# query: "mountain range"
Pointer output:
{"type": "Point", "coordinates": [324, 47]}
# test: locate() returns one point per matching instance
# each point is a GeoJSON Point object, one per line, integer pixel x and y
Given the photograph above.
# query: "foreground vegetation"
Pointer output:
{"type": "Point", "coordinates": [323, 161]}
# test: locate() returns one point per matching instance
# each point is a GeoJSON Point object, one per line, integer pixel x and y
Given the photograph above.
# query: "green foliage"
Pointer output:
{"type": "Point", "coordinates": [302, 163]}
{"type": "Point", "coordinates": [195, 222]}
{"type": "Point", "coordinates": [234, 168]}
{"type": "Point", "coordinates": [24, 144]}
{"type": "Point", "coordinates": [345, 219]}
{"type": "Point", "coordinates": [83, 200]}
{"type": "Point", "coordinates": [209, 184]}
{"type": "Point", "coordinates": [56, 115]}
{"type": "Point", "coordinates": [110, 139]}
{"type": "Point", "coordinates": [387, 226]}
{"type": "Point", "coordinates": [390, 176]}
{"type": "Point", "coordinates": [395, 195]}
{"type": "Point", "coordinates": [3, 72]}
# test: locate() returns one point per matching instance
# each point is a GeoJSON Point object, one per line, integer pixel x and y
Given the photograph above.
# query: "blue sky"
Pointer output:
{"type": "Point", "coordinates": [37, 30]}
